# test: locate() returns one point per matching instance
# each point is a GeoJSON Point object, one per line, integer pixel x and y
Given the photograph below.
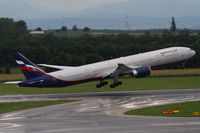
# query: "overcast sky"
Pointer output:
{"type": "Point", "coordinates": [20, 9]}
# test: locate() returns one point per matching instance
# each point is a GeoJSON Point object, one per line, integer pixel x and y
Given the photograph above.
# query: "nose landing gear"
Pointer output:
{"type": "Point", "coordinates": [184, 65]}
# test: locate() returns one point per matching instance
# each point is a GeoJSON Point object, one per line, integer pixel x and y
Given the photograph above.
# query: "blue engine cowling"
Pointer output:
{"type": "Point", "coordinates": [142, 71]}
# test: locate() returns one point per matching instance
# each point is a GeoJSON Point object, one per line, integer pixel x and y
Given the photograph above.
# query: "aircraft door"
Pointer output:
{"type": "Point", "coordinates": [87, 73]}
{"type": "Point", "coordinates": [158, 58]}
{"type": "Point", "coordinates": [182, 52]}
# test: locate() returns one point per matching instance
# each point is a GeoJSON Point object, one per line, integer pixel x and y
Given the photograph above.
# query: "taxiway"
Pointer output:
{"type": "Point", "coordinates": [100, 113]}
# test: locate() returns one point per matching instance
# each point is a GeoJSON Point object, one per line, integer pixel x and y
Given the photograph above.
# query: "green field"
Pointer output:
{"type": "Point", "coordinates": [129, 84]}
{"type": "Point", "coordinates": [14, 106]}
{"type": "Point", "coordinates": [186, 110]}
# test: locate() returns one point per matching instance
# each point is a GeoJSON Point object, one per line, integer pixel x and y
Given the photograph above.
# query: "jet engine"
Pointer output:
{"type": "Point", "coordinates": [142, 71]}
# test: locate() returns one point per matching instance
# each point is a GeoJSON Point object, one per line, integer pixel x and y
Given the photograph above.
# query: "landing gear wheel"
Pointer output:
{"type": "Point", "coordinates": [115, 84]}
{"type": "Point", "coordinates": [102, 83]}
{"type": "Point", "coordinates": [98, 85]}
{"type": "Point", "coordinates": [112, 86]}
{"type": "Point", "coordinates": [105, 83]}
{"type": "Point", "coordinates": [119, 83]}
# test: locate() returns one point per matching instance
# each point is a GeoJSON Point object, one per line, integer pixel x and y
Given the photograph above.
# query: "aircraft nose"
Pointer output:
{"type": "Point", "coordinates": [193, 52]}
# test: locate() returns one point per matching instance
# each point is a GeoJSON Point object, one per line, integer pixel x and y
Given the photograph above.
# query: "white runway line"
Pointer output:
{"type": "Point", "coordinates": [176, 124]}
{"type": "Point", "coordinates": [12, 116]}
{"type": "Point", "coordinates": [8, 125]}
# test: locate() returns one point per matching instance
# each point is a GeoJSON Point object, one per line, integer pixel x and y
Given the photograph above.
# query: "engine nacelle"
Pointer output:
{"type": "Point", "coordinates": [142, 71]}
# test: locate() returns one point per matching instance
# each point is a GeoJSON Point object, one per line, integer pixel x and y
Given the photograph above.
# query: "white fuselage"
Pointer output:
{"type": "Point", "coordinates": [105, 68]}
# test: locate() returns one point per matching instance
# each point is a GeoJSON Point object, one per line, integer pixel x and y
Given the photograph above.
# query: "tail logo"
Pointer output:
{"type": "Point", "coordinates": [25, 67]}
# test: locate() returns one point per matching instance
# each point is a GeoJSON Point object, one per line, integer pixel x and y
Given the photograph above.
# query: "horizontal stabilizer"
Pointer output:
{"type": "Point", "coordinates": [12, 82]}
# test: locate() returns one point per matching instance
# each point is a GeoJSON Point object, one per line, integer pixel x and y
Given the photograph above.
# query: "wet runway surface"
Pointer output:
{"type": "Point", "coordinates": [100, 113]}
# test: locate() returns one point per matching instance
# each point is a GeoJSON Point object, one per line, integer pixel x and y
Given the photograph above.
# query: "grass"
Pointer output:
{"type": "Point", "coordinates": [175, 72]}
{"type": "Point", "coordinates": [15, 70]}
{"type": "Point", "coordinates": [186, 110]}
{"type": "Point", "coordinates": [129, 84]}
{"type": "Point", "coordinates": [11, 77]}
{"type": "Point", "coordinates": [14, 106]}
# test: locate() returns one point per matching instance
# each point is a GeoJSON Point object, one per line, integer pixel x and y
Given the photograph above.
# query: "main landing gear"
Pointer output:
{"type": "Point", "coordinates": [102, 83]}
{"type": "Point", "coordinates": [115, 84]}
{"type": "Point", "coordinates": [115, 76]}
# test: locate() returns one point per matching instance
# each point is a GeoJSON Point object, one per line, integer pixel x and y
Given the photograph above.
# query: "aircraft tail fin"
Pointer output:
{"type": "Point", "coordinates": [29, 69]}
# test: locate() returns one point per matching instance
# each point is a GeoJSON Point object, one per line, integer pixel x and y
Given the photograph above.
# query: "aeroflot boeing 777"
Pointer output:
{"type": "Point", "coordinates": [138, 66]}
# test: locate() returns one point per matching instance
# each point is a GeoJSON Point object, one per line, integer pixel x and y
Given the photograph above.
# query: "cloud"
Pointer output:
{"type": "Point", "coordinates": [55, 8]}
{"type": "Point", "coordinates": [190, 1]}
{"type": "Point", "coordinates": [68, 5]}
{"type": "Point", "coordinates": [49, 8]}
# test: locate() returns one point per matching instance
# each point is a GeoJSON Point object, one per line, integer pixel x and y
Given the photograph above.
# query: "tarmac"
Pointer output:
{"type": "Point", "coordinates": [100, 112]}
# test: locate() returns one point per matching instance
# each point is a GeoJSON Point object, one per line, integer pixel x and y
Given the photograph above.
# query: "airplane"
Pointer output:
{"type": "Point", "coordinates": [138, 66]}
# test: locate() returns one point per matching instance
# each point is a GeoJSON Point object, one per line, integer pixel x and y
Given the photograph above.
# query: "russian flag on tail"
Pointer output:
{"type": "Point", "coordinates": [29, 69]}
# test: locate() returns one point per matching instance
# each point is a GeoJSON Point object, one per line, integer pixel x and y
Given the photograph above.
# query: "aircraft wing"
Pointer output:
{"type": "Point", "coordinates": [137, 71]}
{"type": "Point", "coordinates": [123, 69]}
{"type": "Point", "coordinates": [55, 66]}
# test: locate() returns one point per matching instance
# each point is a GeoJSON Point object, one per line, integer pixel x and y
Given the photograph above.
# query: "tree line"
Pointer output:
{"type": "Point", "coordinates": [86, 48]}
{"type": "Point", "coordinates": [63, 29]}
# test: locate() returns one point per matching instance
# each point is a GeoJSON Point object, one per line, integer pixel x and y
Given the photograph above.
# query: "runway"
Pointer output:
{"type": "Point", "coordinates": [100, 113]}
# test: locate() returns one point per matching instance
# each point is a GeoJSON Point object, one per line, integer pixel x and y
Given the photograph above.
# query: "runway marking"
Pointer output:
{"type": "Point", "coordinates": [158, 103]}
{"type": "Point", "coordinates": [10, 115]}
{"type": "Point", "coordinates": [176, 124]}
{"type": "Point", "coordinates": [10, 118]}
{"type": "Point", "coordinates": [129, 105]}
{"type": "Point", "coordinates": [182, 129]}
{"type": "Point", "coordinates": [128, 131]}
{"type": "Point", "coordinates": [54, 115]}
{"type": "Point", "coordinates": [146, 103]}
{"type": "Point", "coordinates": [8, 125]}
{"type": "Point", "coordinates": [88, 108]}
